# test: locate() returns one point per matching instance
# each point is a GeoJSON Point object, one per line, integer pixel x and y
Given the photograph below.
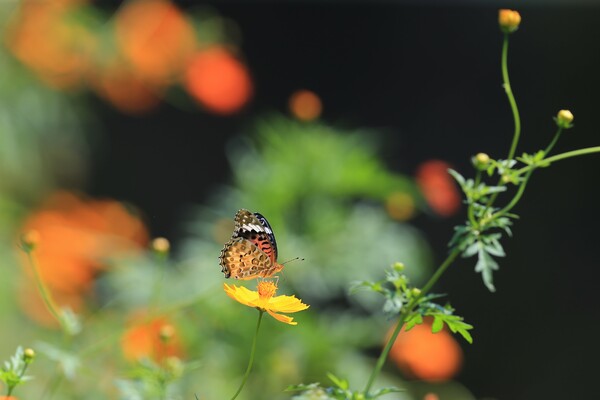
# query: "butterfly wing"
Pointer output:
{"type": "Point", "coordinates": [243, 259]}
{"type": "Point", "coordinates": [252, 250]}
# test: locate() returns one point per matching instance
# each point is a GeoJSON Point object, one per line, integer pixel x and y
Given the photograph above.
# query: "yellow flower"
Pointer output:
{"type": "Point", "coordinates": [263, 300]}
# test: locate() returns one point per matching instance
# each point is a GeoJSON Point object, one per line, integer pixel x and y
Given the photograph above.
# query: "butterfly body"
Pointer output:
{"type": "Point", "coordinates": [252, 250]}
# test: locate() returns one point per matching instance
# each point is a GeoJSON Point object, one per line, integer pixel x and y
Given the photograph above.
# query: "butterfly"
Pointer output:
{"type": "Point", "coordinates": [252, 250]}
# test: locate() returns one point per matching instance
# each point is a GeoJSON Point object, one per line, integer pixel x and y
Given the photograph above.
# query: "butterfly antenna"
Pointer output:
{"type": "Point", "coordinates": [293, 259]}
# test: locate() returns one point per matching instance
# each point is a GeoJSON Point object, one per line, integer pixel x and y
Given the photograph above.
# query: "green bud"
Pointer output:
{"type": "Point", "coordinates": [398, 266]}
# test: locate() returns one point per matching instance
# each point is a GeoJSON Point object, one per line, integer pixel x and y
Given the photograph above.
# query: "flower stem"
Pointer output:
{"type": "Point", "coordinates": [513, 107]}
{"type": "Point", "coordinates": [511, 98]}
{"type": "Point", "coordinates": [407, 310]}
{"type": "Point", "coordinates": [251, 361]}
{"type": "Point", "coordinates": [12, 387]}
{"type": "Point", "coordinates": [553, 142]}
{"type": "Point", "coordinates": [562, 156]}
{"type": "Point", "coordinates": [44, 292]}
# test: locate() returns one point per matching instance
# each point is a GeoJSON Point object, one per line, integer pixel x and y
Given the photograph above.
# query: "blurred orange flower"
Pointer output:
{"type": "Point", "coordinates": [424, 355]}
{"type": "Point", "coordinates": [217, 80]}
{"type": "Point", "coordinates": [305, 105]}
{"type": "Point", "coordinates": [155, 339]}
{"type": "Point", "coordinates": [46, 37]}
{"type": "Point", "coordinates": [156, 38]}
{"type": "Point", "coordinates": [76, 237]}
{"type": "Point", "coordinates": [120, 86]}
{"type": "Point", "coordinates": [438, 188]}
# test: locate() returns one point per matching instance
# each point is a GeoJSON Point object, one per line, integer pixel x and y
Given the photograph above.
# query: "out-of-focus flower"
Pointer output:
{"type": "Point", "coordinates": [438, 188]}
{"type": "Point", "coordinates": [421, 354]}
{"type": "Point", "coordinates": [564, 119]}
{"type": "Point", "coordinates": [400, 206]}
{"type": "Point", "coordinates": [156, 39]}
{"type": "Point", "coordinates": [509, 20]}
{"type": "Point", "coordinates": [218, 81]}
{"type": "Point", "coordinates": [431, 396]}
{"type": "Point", "coordinates": [78, 236]}
{"type": "Point", "coordinates": [45, 36]}
{"type": "Point", "coordinates": [146, 338]}
{"type": "Point", "coordinates": [118, 84]}
{"type": "Point", "coordinates": [305, 105]}
{"type": "Point", "coordinates": [8, 398]}
{"type": "Point", "coordinates": [263, 299]}
{"type": "Point", "coordinates": [161, 245]}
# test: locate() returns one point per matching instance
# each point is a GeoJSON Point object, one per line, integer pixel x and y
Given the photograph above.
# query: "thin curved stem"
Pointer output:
{"type": "Point", "coordinates": [548, 149]}
{"type": "Point", "coordinates": [407, 310]}
{"type": "Point", "coordinates": [511, 98]}
{"type": "Point", "coordinates": [252, 352]}
{"type": "Point", "coordinates": [44, 292]}
{"type": "Point", "coordinates": [513, 107]}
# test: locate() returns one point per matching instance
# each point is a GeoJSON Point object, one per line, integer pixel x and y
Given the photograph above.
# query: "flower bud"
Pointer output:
{"type": "Point", "coordinates": [398, 266]}
{"type": "Point", "coordinates": [415, 292]}
{"type": "Point", "coordinates": [30, 240]}
{"type": "Point", "coordinates": [28, 355]}
{"type": "Point", "coordinates": [564, 119]}
{"type": "Point", "coordinates": [161, 245]}
{"type": "Point", "coordinates": [509, 20]}
{"type": "Point", "coordinates": [166, 333]}
{"type": "Point", "coordinates": [481, 161]}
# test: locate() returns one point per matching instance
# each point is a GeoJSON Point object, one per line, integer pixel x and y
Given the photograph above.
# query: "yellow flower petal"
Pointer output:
{"type": "Point", "coordinates": [282, 318]}
{"type": "Point", "coordinates": [263, 300]}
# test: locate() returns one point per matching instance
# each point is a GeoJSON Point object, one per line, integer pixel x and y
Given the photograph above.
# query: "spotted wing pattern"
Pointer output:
{"type": "Point", "coordinates": [252, 251]}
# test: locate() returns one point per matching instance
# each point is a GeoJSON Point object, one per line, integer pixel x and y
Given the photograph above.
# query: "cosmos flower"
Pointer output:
{"type": "Point", "coordinates": [264, 300]}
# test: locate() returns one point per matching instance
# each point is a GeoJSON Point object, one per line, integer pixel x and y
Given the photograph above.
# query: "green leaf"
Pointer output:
{"type": "Point", "coordinates": [438, 324]}
{"type": "Point", "coordinates": [341, 383]}
{"type": "Point", "coordinates": [486, 265]}
{"type": "Point", "coordinates": [458, 177]}
{"type": "Point", "coordinates": [412, 320]}
{"type": "Point", "coordinates": [387, 390]}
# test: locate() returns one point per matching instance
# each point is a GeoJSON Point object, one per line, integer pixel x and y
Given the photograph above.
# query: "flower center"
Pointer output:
{"type": "Point", "coordinates": [266, 289]}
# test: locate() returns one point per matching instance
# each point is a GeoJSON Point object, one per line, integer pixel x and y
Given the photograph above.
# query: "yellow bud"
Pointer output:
{"type": "Point", "coordinates": [481, 161]}
{"type": "Point", "coordinates": [166, 333]}
{"type": "Point", "coordinates": [415, 291]}
{"type": "Point", "coordinates": [30, 240]}
{"type": "Point", "coordinates": [509, 20]}
{"type": "Point", "coordinates": [564, 118]}
{"type": "Point", "coordinates": [28, 355]}
{"type": "Point", "coordinates": [161, 245]}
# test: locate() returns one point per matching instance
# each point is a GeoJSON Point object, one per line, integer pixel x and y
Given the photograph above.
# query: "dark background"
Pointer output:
{"type": "Point", "coordinates": [427, 76]}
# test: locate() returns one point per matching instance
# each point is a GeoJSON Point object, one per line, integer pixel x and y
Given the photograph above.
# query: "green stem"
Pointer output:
{"type": "Point", "coordinates": [511, 98]}
{"type": "Point", "coordinates": [471, 209]}
{"type": "Point", "coordinates": [11, 388]}
{"type": "Point", "coordinates": [562, 156]}
{"type": "Point", "coordinates": [251, 361]}
{"type": "Point", "coordinates": [407, 310]}
{"type": "Point", "coordinates": [161, 264]}
{"type": "Point", "coordinates": [513, 107]}
{"type": "Point", "coordinates": [44, 292]}
{"type": "Point", "coordinates": [553, 142]}
{"type": "Point", "coordinates": [517, 197]}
